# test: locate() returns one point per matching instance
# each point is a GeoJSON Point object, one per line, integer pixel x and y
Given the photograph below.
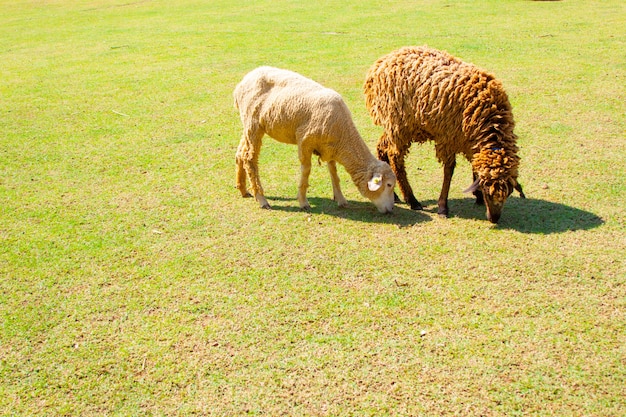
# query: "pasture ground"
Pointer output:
{"type": "Point", "coordinates": [135, 281]}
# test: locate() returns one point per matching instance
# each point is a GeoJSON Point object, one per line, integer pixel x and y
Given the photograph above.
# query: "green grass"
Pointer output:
{"type": "Point", "coordinates": [134, 280]}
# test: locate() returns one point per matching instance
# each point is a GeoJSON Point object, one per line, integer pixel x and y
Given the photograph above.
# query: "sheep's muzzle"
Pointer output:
{"type": "Point", "coordinates": [494, 209]}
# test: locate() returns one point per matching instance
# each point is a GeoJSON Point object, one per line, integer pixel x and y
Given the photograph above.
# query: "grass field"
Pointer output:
{"type": "Point", "coordinates": [135, 281]}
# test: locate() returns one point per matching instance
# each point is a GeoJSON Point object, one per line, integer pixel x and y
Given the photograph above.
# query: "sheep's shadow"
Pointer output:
{"type": "Point", "coordinates": [357, 211]}
{"type": "Point", "coordinates": [527, 215]}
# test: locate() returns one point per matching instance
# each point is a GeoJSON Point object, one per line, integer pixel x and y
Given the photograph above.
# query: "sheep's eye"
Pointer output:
{"type": "Point", "coordinates": [388, 185]}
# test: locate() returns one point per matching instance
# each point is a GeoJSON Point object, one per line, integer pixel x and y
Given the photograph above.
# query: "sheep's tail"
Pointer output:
{"type": "Point", "coordinates": [238, 93]}
{"type": "Point", "coordinates": [235, 102]}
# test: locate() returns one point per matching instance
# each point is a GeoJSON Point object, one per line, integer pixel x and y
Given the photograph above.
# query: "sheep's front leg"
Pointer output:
{"type": "Point", "coordinates": [247, 159]}
{"type": "Point", "coordinates": [382, 154]}
{"type": "Point", "coordinates": [337, 194]}
{"type": "Point", "coordinates": [448, 170]}
{"type": "Point", "coordinates": [305, 171]}
{"type": "Point", "coordinates": [396, 161]}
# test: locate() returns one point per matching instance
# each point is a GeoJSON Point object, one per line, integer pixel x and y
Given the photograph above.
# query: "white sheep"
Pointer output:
{"type": "Point", "coordinates": [296, 110]}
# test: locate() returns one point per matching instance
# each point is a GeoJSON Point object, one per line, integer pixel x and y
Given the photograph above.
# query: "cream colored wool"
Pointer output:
{"type": "Point", "coordinates": [296, 110]}
{"type": "Point", "coordinates": [418, 94]}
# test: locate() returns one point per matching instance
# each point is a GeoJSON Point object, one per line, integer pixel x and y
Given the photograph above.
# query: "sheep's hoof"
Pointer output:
{"type": "Point", "coordinates": [266, 207]}
{"type": "Point", "coordinates": [341, 201]}
{"type": "Point", "coordinates": [414, 204]}
{"type": "Point", "coordinates": [443, 213]}
{"type": "Point", "coordinates": [306, 208]}
{"type": "Point", "coordinates": [244, 193]}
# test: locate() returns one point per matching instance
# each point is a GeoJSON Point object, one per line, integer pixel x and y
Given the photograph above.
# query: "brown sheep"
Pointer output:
{"type": "Point", "coordinates": [418, 94]}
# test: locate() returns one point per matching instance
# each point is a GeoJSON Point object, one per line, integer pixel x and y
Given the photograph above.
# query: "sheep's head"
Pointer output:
{"type": "Point", "coordinates": [378, 186]}
{"type": "Point", "coordinates": [496, 172]}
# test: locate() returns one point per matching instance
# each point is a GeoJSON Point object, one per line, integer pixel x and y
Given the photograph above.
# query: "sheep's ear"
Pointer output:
{"type": "Point", "coordinates": [375, 182]}
{"type": "Point", "coordinates": [473, 187]}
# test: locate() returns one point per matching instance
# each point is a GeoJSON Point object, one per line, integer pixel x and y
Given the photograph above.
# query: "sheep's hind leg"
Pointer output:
{"type": "Point", "coordinates": [248, 163]}
{"type": "Point", "coordinates": [448, 170]}
{"type": "Point", "coordinates": [241, 170]}
{"type": "Point", "coordinates": [337, 194]}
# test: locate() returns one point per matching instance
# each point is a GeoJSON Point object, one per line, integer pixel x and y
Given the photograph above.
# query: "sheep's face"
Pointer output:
{"type": "Point", "coordinates": [496, 177]}
{"type": "Point", "coordinates": [495, 194]}
{"type": "Point", "coordinates": [379, 187]}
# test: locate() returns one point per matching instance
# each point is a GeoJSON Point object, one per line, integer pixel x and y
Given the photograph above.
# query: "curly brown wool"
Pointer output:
{"type": "Point", "coordinates": [419, 94]}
